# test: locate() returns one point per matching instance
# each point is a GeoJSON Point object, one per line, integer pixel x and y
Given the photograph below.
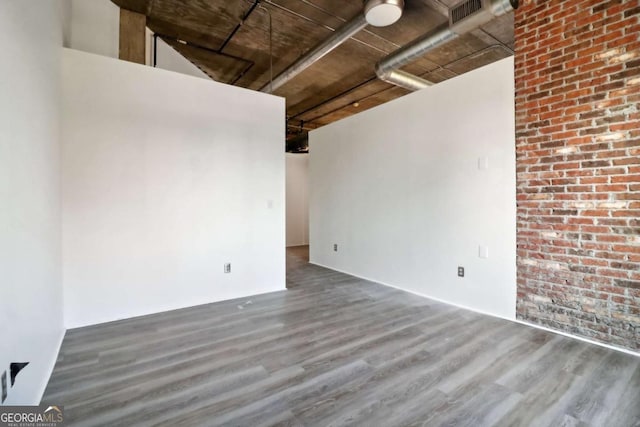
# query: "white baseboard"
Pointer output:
{"type": "Point", "coordinates": [511, 319]}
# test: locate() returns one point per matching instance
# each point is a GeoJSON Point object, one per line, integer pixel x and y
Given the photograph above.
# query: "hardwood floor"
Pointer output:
{"type": "Point", "coordinates": [336, 350]}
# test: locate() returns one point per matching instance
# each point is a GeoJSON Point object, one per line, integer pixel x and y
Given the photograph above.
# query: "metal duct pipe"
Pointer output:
{"type": "Point", "coordinates": [341, 35]}
{"type": "Point", "coordinates": [406, 80]}
{"type": "Point", "coordinates": [416, 49]}
{"type": "Point", "coordinates": [387, 69]}
{"type": "Point", "coordinates": [499, 8]}
{"type": "Point", "coordinates": [376, 12]}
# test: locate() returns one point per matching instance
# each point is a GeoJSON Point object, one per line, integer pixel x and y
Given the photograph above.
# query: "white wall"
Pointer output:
{"type": "Point", "coordinates": [95, 27]}
{"type": "Point", "coordinates": [399, 189]}
{"type": "Point", "coordinates": [169, 59]}
{"type": "Point", "coordinates": [31, 326]}
{"type": "Point", "coordinates": [166, 177]}
{"type": "Point", "coordinates": [297, 199]}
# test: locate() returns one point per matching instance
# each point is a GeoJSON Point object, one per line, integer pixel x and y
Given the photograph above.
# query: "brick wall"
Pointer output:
{"type": "Point", "coordinates": [578, 167]}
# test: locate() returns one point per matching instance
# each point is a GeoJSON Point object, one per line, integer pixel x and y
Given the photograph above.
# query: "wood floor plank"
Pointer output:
{"type": "Point", "coordinates": [337, 350]}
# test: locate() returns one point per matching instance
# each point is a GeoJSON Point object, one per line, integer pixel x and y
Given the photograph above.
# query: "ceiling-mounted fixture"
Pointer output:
{"type": "Point", "coordinates": [465, 16]}
{"type": "Point", "coordinates": [342, 34]}
{"type": "Point", "coordinates": [299, 144]}
{"type": "Point", "coordinates": [382, 13]}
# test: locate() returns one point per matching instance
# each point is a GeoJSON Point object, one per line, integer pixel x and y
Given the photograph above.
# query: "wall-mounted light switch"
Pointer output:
{"type": "Point", "coordinates": [460, 271]}
{"type": "Point", "coordinates": [227, 268]}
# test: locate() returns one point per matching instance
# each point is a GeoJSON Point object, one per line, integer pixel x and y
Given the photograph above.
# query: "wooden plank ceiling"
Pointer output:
{"type": "Point", "coordinates": [230, 41]}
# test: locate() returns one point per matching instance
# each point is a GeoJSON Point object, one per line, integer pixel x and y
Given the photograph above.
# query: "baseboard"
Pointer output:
{"type": "Point", "coordinates": [515, 320]}
{"type": "Point", "coordinates": [43, 388]}
{"type": "Point", "coordinates": [130, 316]}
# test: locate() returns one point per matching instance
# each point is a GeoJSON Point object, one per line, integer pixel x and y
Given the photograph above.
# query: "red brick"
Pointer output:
{"type": "Point", "coordinates": [578, 164]}
{"type": "Point", "coordinates": [611, 188]}
{"type": "Point", "coordinates": [625, 178]}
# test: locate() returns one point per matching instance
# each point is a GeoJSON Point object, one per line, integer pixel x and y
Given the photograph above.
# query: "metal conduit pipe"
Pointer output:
{"type": "Point", "coordinates": [387, 69]}
{"type": "Point", "coordinates": [376, 13]}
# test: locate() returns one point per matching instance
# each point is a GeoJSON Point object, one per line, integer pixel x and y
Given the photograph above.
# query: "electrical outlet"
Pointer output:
{"type": "Point", "coordinates": [227, 268]}
{"type": "Point", "coordinates": [4, 386]}
{"type": "Point", "coordinates": [460, 271]}
{"type": "Point", "coordinates": [335, 247]}
{"type": "Point", "coordinates": [483, 252]}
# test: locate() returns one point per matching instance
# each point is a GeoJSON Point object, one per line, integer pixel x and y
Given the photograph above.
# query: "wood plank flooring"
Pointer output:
{"type": "Point", "coordinates": [336, 350]}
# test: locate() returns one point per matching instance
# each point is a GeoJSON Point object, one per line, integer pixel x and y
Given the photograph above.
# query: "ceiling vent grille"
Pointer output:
{"type": "Point", "coordinates": [469, 15]}
{"type": "Point", "coordinates": [464, 10]}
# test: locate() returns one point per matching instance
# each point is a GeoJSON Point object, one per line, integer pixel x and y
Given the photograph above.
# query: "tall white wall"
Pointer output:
{"type": "Point", "coordinates": [412, 189]}
{"type": "Point", "coordinates": [31, 327]}
{"type": "Point", "coordinates": [297, 199]}
{"type": "Point", "coordinates": [166, 178]}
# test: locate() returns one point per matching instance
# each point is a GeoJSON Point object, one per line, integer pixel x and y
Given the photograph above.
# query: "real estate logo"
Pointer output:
{"type": "Point", "coordinates": [31, 416]}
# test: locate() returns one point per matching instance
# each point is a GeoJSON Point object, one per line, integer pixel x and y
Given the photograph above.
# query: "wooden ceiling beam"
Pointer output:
{"type": "Point", "coordinates": [132, 36]}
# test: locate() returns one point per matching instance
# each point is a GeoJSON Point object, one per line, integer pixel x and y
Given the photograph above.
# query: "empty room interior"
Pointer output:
{"type": "Point", "coordinates": [320, 212]}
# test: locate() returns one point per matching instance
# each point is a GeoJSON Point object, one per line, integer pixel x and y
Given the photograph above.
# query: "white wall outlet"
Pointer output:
{"type": "Point", "coordinates": [460, 271]}
{"type": "Point", "coordinates": [335, 247]}
{"type": "Point", "coordinates": [483, 252]}
{"type": "Point", "coordinates": [483, 163]}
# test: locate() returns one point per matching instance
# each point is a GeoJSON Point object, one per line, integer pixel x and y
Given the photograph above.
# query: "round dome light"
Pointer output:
{"type": "Point", "coordinates": [382, 13]}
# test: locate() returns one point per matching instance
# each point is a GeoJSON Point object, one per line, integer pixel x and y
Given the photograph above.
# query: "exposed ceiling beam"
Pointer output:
{"type": "Point", "coordinates": [132, 36]}
{"type": "Point", "coordinates": [336, 87]}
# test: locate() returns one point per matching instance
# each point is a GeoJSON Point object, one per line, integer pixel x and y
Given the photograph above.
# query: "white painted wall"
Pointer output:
{"type": "Point", "coordinates": [399, 189]}
{"type": "Point", "coordinates": [31, 327]}
{"type": "Point", "coordinates": [95, 27]}
{"type": "Point", "coordinates": [297, 199]}
{"type": "Point", "coordinates": [165, 178]}
{"type": "Point", "coordinates": [169, 59]}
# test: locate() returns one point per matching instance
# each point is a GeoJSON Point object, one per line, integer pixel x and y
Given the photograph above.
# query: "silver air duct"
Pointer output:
{"type": "Point", "coordinates": [406, 80]}
{"type": "Point", "coordinates": [388, 67]}
{"type": "Point", "coordinates": [376, 12]}
{"type": "Point", "coordinates": [463, 17]}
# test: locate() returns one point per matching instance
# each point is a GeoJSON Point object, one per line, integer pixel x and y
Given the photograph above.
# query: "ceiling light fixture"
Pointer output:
{"type": "Point", "coordinates": [381, 13]}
